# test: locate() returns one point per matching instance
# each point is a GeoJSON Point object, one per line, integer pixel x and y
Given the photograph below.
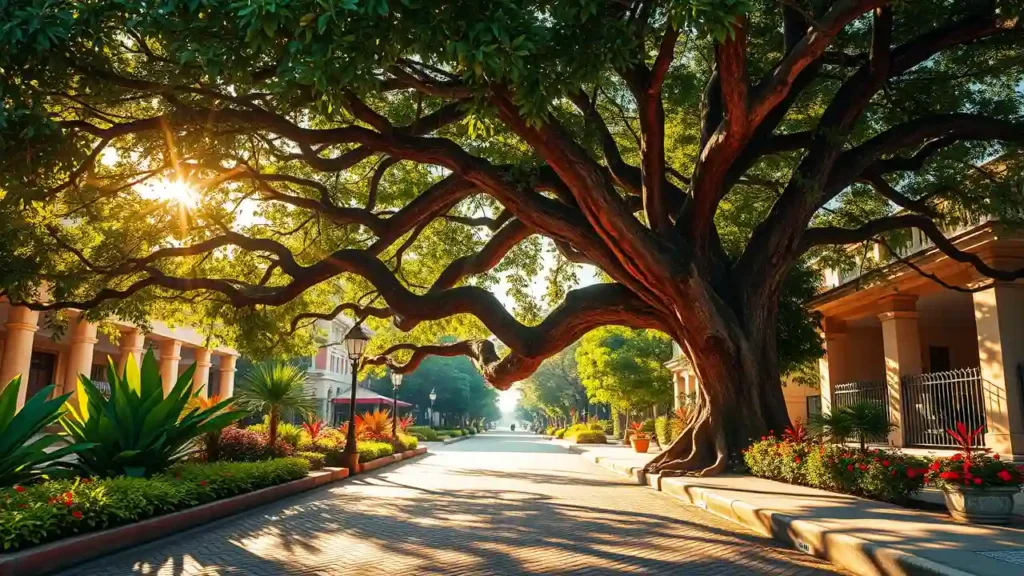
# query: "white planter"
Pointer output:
{"type": "Point", "coordinates": [993, 505]}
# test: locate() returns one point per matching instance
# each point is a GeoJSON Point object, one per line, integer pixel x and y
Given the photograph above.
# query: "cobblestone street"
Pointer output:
{"type": "Point", "coordinates": [500, 503]}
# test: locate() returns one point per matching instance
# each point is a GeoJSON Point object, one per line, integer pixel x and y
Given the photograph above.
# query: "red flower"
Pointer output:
{"type": "Point", "coordinates": [996, 456]}
{"type": "Point", "coordinates": [52, 501]}
{"type": "Point", "coordinates": [202, 482]}
{"type": "Point", "coordinates": [977, 480]}
{"type": "Point", "coordinates": [69, 499]}
{"type": "Point", "coordinates": [77, 515]}
{"type": "Point", "coordinates": [956, 457]}
{"type": "Point", "coordinates": [796, 459]}
{"type": "Point", "coordinates": [23, 506]}
{"type": "Point", "coordinates": [911, 472]}
{"type": "Point", "coordinates": [764, 438]}
{"type": "Point", "coordinates": [86, 481]}
{"type": "Point", "coordinates": [849, 467]}
{"type": "Point", "coordinates": [19, 488]}
{"type": "Point", "coordinates": [885, 463]}
{"type": "Point", "coordinates": [935, 466]}
{"type": "Point", "coordinates": [1004, 475]}
{"type": "Point", "coordinates": [950, 475]}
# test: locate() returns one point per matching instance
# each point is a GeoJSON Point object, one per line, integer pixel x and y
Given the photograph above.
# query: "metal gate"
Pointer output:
{"type": "Point", "coordinates": [937, 401]}
{"type": "Point", "coordinates": [850, 393]}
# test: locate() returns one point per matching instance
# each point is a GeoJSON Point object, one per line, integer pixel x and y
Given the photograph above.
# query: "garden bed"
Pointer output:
{"type": "Point", "coordinates": [103, 516]}
{"type": "Point", "coordinates": [55, 555]}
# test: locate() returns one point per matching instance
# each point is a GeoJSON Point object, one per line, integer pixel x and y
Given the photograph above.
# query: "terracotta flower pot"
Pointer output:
{"type": "Point", "coordinates": [640, 445]}
{"type": "Point", "coordinates": [992, 505]}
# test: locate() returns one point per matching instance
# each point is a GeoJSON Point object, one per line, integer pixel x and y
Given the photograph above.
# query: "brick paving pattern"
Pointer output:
{"type": "Point", "coordinates": [500, 503]}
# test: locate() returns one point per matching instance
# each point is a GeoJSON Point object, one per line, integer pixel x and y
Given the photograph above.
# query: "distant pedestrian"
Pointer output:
{"type": "Point", "coordinates": [513, 427]}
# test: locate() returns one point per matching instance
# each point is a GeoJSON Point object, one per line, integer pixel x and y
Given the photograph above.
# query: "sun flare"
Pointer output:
{"type": "Point", "coordinates": [176, 191]}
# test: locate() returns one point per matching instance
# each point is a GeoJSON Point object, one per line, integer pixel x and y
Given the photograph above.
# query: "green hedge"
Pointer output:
{"type": "Point", "coordinates": [425, 433]}
{"type": "Point", "coordinates": [407, 442]}
{"type": "Point", "coordinates": [371, 450]}
{"type": "Point", "coordinates": [591, 437]}
{"type": "Point", "coordinates": [316, 460]}
{"type": "Point", "coordinates": [887, 475]}
{"type": "Point", "coordinates": [560, 433]}
{"type": "Point", "coordinates": [58, 509]}
{"type": "Point", "coordinates": [662, 429]}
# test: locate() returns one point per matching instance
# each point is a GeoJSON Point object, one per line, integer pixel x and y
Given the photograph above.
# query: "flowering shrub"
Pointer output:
{"type": "Point", "coordinates": [879, 474]}
{"type": "Point", "coordinates": [248, 445]}
{"type": "Point", "coordinates": [31, 515]}
{"type": "Point", "coordinates": [973, 467]}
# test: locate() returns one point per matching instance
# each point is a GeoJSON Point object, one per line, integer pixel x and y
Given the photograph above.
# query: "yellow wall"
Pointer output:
{"type": "Point", "coordinates": [796, 400]}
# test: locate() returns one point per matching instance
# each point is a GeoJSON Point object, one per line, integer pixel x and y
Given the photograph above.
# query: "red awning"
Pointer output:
{"type": "Point", "coordinates": [365, 396]}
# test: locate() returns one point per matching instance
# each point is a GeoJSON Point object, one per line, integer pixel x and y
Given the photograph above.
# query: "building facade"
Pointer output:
{"type": "Point", "coordinates": [28, 347]}
{"type": "Point", "coordinates": [934, 351]}
{"type": "Point", "coordinates": [329, 370]}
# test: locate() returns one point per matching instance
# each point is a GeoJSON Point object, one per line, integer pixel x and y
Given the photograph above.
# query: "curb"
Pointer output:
{"type": "Point", "coordinates": [68, 552]}
{"type": "Point", "coordinates": [457, 439]}
{"type": "Point", "coordinates": [843, 550]}
{"type": "Point", "coordinates": [850, 552]}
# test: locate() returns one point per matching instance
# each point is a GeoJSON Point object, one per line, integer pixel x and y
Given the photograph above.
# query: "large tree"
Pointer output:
{"type": "Point", "coordinates": [406, 154]}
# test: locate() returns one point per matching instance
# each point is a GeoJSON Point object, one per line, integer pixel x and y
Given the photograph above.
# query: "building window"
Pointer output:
{"type": "Point", "coordinates": [98, 373]}
{"type": "Point", "coordinates": [938, 359]}
{"type": "Point", "coordinates": [335, 362]}
{"type": "Point", "coordinates": [813, 406]}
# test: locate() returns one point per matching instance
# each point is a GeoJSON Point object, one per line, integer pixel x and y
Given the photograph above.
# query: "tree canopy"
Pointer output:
{"type": "Point", "coordinates": [459, 387]}
{"type": "Point", "coordinates": [554, 391]}
{"type": "Point", "coordinates": [626, 368]}
{"type": "Point", "coordinates": [252, 166]}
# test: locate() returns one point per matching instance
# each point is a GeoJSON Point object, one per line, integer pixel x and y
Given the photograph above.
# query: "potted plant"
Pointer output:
{"type": "Point", "coordinates": [639, 439]}
{"type": "Point", "coordinates": [978, 487]}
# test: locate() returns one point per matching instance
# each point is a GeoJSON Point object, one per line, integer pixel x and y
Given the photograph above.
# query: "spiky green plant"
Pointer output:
{"type": "Point", "coordinates": [834, 426]}
{"type": "Point", "coordinates": [272, 388]}
{"type": "Point", "coordinates": [22, 458]}
{"type": "Point", "coordinates": [138, 431]}
{"type": "Point", "coordinates": [868, 420]}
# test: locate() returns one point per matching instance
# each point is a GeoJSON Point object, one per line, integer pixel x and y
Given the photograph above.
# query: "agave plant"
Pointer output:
{"type": "Point", "coordinates": [22, 458]}
{"type": "Point", "coordinates": [138, 431]}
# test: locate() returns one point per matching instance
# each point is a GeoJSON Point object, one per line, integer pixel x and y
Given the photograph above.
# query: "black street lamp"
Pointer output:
{"type": "Point", "coordinates": [433, 396]}
{"type": "Point", "coordinates": [396, 380]}
{"type": "Point", "coordinates": [355, 343]}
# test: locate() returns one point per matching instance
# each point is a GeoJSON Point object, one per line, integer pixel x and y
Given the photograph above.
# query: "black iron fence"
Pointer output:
{"type": "Point", "coordinates": [939, 400]}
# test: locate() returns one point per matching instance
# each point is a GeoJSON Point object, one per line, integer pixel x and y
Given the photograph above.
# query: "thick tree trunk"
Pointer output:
{"type": "Point", "coordinates": [739, 399]}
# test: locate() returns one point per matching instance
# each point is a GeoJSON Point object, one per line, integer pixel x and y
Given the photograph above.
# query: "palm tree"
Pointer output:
{"type": "Point", "coordinates": [271, 388]}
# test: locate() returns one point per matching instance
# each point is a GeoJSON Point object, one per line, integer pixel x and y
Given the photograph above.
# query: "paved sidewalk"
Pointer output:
{"type": "Point", "coordinates": [498, 503]}
{"type": "Point", "coordinates": [864, 536]}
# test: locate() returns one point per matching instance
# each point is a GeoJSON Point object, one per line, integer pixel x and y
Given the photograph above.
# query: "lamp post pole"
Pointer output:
{"type": "Point", "coordinates": [433, 396]}
{"type": "Point", "coordinates": [396, 381]}
{"type": "Point", "coordinates": [355, 341]}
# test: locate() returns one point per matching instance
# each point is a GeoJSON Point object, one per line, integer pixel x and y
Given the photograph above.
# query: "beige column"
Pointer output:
{"type": "Point", "coordinates": [22, 324]}
{"type": "Point", "coordinates": [902, 344]}
{"type": "Point", "coordinates": [83, 342]}
{"type": "Point", "coordinates": [832, 365]}
{"type": "Point", "coordinates": [170, 354]}
{"type": "Point", "coordinates": [227, 376]}
{"type": "Point", "coordinates": [202, 374]}
{"type": "Point", "coordinates": [999, 316]}
{"type": "Point", "coordinates": [133, 343]}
